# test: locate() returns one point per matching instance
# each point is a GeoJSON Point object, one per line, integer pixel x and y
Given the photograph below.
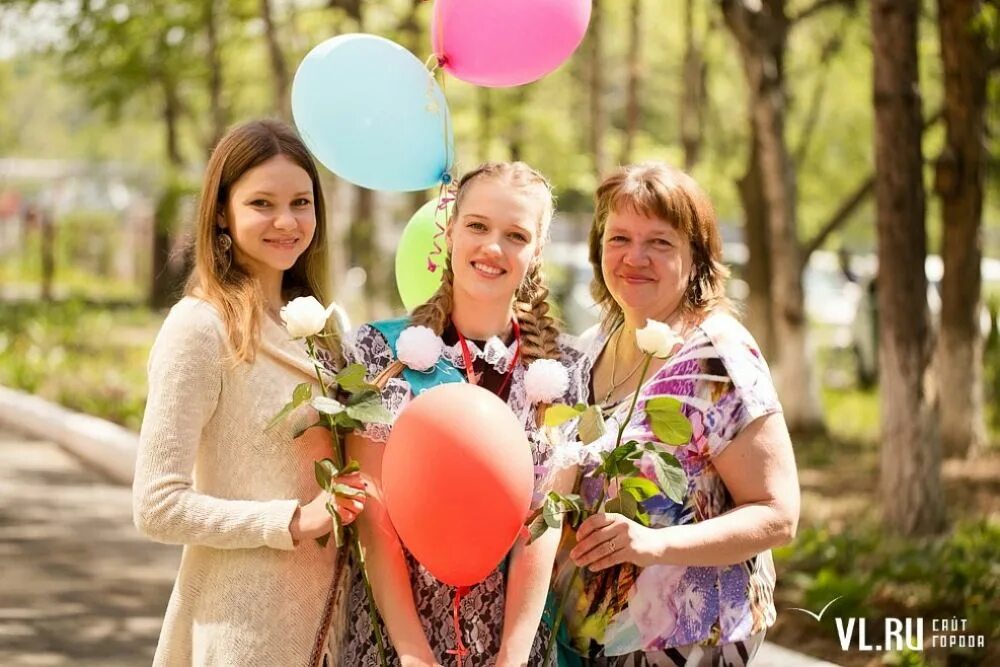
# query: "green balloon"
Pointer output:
{"type": "Point", "coordinates": [415, 279]}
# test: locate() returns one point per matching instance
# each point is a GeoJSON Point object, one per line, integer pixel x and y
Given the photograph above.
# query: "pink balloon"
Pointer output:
{"type": "Point", "coordinates": [457, 474]}
{"type": "Point", "coordinates": [500, 43]}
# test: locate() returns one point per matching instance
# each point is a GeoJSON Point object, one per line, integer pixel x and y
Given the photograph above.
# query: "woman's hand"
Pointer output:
{"type": "Point", "coordinates": [313, 520]}
{"type": "Point", "coordinates": [604, 540]}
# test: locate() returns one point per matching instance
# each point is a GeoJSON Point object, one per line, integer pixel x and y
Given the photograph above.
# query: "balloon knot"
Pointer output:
{"type": "Point", "coordinates": [446, 178]}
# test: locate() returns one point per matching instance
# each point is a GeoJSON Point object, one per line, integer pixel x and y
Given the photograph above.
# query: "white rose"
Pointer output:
{"type": "Point", "coordinates": [545, 381]}
{"type": "Point", "coordinates": [657, 339]}
{"type": "Point", "coordinates": [327, 406]}
{"type": "Point", "coordinates": [305, 316]}
{"type": "Point", "coordinates": [419, 348]}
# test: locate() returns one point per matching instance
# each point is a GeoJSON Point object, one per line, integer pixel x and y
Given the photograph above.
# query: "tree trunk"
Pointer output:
{"type": "Point", "coordinates": [518, 127]}
{"type": "Point", "coordinates": [598, 119]}
{"type": "Point", "coordinates": [362, 240]}
{"type": "Point", "coordinates": [48, 234]}
{"type": "Point", "coordinates": [632, 110]}
{"type": "Point", "coordinates": [218, 111]}
{"type": "Point", "coordinates": [167, 273]}
{"type": "Point", "coordinates": [694, 95]}
{"type": "Point", "coordinates": [762, 34]}
{"type": "Point", "coordinates": [759, 318]}
{"type": "Point", "coordinates": [279, 71]}
{"type": "Point", "coordinates": [910, 457]}
{"type": "Point", "coordinates": [960, 176]}
{"type": "Point", "coordinates": [485, 108]}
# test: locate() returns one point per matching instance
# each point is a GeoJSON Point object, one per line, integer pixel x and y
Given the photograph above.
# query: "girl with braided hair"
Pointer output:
{"type": "Point", "coordinates": [487, 322]}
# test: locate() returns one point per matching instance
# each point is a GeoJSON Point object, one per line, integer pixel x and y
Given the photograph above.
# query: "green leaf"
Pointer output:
{"type": "Point", "coordinates": [320, 423]}
{"type": "Point", "coordinates": [347, 422]}
{"type": "Point", "coordinates": [352, 378]}
{"type": "Point", "coordinates": [537, 528]}
{"type": "Point", "coordinates": [325, 472]}
{"type": "Point", "coordinates": [668, 423]}
{"type": "Point", "coordinates": [591, 426]}
{"type": "Point", "coordinates": [352, 466]}
{"type": "Point", "coordinates": [323, 541]}
{"type": "Point", "coordinates": [640, 488]}
{"type": "Point", "coordinates": [345, 491]}
{"type": "Point", "coordinates": [370, 410]}
{"type": "Point", "coordinates": [670, 476]}
{"type": "Point", "coordinates": [551, 513]}
{"type": "Point", "coordinates": [300, 395]}
{"type": "Point", "coordinates": [559, 414]}
{"type": "Point", "coordinates": [623, 504]}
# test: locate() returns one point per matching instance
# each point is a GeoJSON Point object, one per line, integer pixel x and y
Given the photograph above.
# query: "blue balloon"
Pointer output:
{"type": "Point", "coordinates": [370, 111]}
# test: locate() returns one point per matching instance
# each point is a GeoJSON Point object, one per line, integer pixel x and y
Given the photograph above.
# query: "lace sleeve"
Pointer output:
{"type": "Point", "coordinates": [371, 350]}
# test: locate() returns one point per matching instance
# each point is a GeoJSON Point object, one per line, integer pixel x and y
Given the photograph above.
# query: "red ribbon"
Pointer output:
{"type": "Point", "coordinates": [460, 650]}
{"type": "Point", "coordinates": [467, 356]}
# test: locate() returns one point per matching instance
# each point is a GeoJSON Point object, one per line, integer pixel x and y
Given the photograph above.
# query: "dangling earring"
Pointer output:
{"type": "Point", "coordinates": [225, 244]}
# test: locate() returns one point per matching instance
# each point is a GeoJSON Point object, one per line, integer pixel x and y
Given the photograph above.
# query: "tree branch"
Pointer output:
{"type": "Point", "coordinates": [820, 6]}
{"type": "Point", "coordinates": [851, 204]}
{"type": "Point", "coordinates": [830, 49]}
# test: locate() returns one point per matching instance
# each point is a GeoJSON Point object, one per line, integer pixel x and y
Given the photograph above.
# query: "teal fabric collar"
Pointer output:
{"type": "Point", "coordinates": [419, 381]}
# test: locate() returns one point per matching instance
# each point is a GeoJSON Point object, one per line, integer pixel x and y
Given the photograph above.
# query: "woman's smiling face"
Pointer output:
{"type": "Point", "coordinates": [646, 263]}
{"type": "Point", "coordinates": [494, 238]}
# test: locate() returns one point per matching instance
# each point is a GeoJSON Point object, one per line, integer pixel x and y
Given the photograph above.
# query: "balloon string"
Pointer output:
{"type": "Point", "coordinates": [446, 195]}
{"type": "Point", "coordinates": [460, 650]}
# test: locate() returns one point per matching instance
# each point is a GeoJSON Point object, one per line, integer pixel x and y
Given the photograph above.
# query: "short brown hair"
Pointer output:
{"type": "Point", "coordinates": [657, 190]}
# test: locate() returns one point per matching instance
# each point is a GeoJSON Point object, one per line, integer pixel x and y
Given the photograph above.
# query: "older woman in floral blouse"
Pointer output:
{"type": "Point", "coordinates": [695, 586]}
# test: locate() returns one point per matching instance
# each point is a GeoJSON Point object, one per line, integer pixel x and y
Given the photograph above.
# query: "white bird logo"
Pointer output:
{"type": "Point", "coordinates": [819, 616]}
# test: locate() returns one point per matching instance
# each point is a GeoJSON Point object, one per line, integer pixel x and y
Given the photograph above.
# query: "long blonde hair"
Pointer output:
{"type": "Point", "coordinates": [539, 333]}
{"type": "Point", "coordinates": [217, 276]}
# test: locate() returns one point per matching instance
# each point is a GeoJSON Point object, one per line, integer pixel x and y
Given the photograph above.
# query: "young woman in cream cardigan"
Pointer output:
{"type": "Point", "coordinates": [254, 587]}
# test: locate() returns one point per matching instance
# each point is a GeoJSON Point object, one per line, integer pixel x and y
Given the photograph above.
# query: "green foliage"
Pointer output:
{"type": "Point", "coordinates": [301, 394]}
{"type": "Point", "coordinates": [668, 422]}
{"type": "Point", "coordinates": [87, 357]}
{"type": "Point", "coordinates": [876, 577]}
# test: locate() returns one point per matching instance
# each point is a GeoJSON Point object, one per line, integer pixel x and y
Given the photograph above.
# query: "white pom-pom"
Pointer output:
{"type": "Point", "coordinates": [419, 348]}
{"type": "Point", "coordinates": [545, 381]}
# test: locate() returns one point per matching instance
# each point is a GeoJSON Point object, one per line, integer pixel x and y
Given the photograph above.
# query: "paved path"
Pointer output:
{"type": "Point", "coordinates": [78, 585]}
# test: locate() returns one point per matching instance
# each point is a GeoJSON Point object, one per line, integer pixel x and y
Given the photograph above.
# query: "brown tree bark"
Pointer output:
{"type": "Point", "coordinates": [216, 105]}
{"type": "Point", "coordinates": [959, 183]}
{"type": "Point", "coordinates": [279, 70]}
{"type": "Point", "coordinates": [694, 94]}
{"type": "Point", "coordinates": [484, 97]}
{"type": "Point", "coordinates": [759, 318]}
{"type": "Point", "coordinates": [761, 29]}
{"type": "Point", "coordinates": [518, 125]}
{"type": "Point", "coordinates": [598, 114]}
{"type": "Point", "coordinates": [48, 237]}
{"type": "Point", "coordinates": [634, 67]}
{"type": "Point", "coordinates": [168, 271]}
{"type": "Point", "coordinates": [910, 482]}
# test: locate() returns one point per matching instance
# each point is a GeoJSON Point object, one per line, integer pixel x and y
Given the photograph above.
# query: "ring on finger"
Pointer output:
{"type": "Point", "coordinates": [611, 546]}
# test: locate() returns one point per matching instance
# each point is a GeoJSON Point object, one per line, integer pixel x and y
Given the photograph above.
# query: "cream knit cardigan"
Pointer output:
{"type": "Point", "coordinates": [209, 477]}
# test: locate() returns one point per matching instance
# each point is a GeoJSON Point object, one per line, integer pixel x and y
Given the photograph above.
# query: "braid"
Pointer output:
{"type": "Point", "coordinates": [539, 333]}
{"type": "Point", "coordinates": [436, 313]}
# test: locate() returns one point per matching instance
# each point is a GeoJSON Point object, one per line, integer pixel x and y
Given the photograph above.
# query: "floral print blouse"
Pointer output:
{"type": "Point", "coordinates": [724, 384]}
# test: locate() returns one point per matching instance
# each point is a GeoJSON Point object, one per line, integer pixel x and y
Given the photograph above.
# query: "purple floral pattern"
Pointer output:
{"type": "Point", "coordinates": [724, 384]}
